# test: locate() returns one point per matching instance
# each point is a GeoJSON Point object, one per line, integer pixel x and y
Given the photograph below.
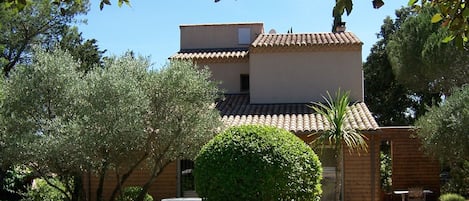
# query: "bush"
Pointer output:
{"type": "Point", "coordinates": [256, 163]}
{"type": "Point", "coordinates": [458, 181]}
{"type": "Point", "coordinates": [15, 181]}
{"type": "Point", "coordinates": [451, 197]}
{"type": "Point", "coordinates": [131, 193]}
{"type": "Point", "coordinates": [42, 191]}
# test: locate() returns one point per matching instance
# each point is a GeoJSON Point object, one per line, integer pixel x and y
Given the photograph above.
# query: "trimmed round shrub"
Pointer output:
{"type": "Point", "coordinates": [451, 197]}
{"type": "Point", "coordinates": [257, 163]}
{"type": "Point", "coordinates": [131, 193]}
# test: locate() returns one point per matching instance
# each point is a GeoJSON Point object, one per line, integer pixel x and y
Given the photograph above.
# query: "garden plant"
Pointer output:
{"type": "Point", "coordinates": [255, 163]}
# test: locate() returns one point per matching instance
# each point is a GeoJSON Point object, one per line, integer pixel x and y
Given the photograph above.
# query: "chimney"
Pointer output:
{"type": "Point", "coordinates": [340, 28]}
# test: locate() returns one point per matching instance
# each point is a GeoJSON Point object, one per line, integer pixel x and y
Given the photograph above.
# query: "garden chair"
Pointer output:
{"type": "Point", "coordinates": [416, 194]}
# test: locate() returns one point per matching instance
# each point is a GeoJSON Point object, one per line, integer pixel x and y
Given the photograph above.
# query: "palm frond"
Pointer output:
{"type": "Point", "coordinates": [335, 112]}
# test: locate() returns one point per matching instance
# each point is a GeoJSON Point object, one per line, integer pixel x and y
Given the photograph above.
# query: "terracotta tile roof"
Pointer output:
{"type": "Point", "coordinates": [299, 118]}
{"type": "Point", "coordinates": [306, 39]}
{"type": "Point", "coordinates": [237, 53]}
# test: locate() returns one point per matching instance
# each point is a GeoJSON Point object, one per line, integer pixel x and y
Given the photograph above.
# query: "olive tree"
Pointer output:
{"type": "Point", "coordinates": [109, 114]}
{"type": "Point", "coordinates": [443, 129]}
{"type": "Point", "coordinates": [111, 120]}
{"type": "Point", "coordinates": [444, 135]}
{"type": "Point", "coordinates": [182, 115]}
{"type": "Point", "coordinates": [36, 118]}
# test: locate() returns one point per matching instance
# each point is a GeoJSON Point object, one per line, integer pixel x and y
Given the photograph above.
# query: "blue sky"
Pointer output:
{"type": "Point", "coordinates": [151, 27]}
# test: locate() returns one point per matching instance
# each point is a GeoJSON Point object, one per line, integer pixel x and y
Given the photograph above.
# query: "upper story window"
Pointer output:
{"type": "Point", "coordinates": [244, 36]}
{"type": "Point", "coordinates": [244, 80]}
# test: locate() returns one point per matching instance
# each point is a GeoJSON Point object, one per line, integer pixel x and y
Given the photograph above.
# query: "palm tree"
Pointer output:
{"type": "Point", "coordinates": [335, 111]}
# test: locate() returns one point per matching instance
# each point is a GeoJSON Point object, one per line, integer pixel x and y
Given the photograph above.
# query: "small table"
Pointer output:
{"type": "Point", "coordinates": [405, 192]}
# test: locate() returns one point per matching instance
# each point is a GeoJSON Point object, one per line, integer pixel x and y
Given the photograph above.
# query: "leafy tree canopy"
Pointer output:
{"type": "Point", "coordinates": [40, 23]}
{"type": "Point", "coordinates": [57, 120]}
{"type": "Point", "coordinates": [420, 61]}
{"type": "Point", "coordinates": [443, 129]}
{"type": "Point", "coordinates": [388, 99]}
{"type": "Point", "coordinates": [18, 5]}
{"type": "Point", "coordinates": [453, 14]}
{"type": "Point", "coordinates": [35, 110]}
{"type": "Point", "coordinates": [87, 51]}
{"type": "Point", "coordinates": [392, 102]}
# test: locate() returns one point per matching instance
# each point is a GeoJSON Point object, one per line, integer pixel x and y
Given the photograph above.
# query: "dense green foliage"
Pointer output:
{"type": "Point", "coordinates": [47, 26]}
{"type": "Point", "coordinates": [420, 61]}
{"type": "Point", "coordinates": [256, 163]}
{"type": "Point", "coordinates": [458, 181]}
{"type": "Point", "coordinates": [388, 99]}
{"type": "Point", "coordinates": [42, 190]}
{"type": "Point", "coordinates": [444, 135]}
{"type": "Point", "coordinates": [14, 182]}
{"type": "Point", "coordinates": [19, 5]}
{"type": "Point", "coordinates": [58, 121]}
{"type": "Point", "coordinates": [451, 197]}
{"type": "Point", "coordinates": [392, 102]}
{"type": "Point", "coordinates": [36, 102]}
{"type": "Point", "coordinates": [40, 123]}
{"type": "Point", "coordinates": [183, 117]}
{"type": "Point", "coordinates": [85, 51]}
{"type": "Point", "coordinates": [385, 168]}
{"type": "Point", "coordinates": [452, 14]}
{"type": "Point", "coordinates": [131, 193]}
{"type": "Point", "coordinates": [443, 129]}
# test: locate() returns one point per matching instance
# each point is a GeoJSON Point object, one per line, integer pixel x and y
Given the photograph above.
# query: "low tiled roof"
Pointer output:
{"type": "Point", "coordinates": [236, 110]}
{"type": "Point", "coordinates": [237, 53]}
{"type": "Point", "coordinates": [306, 39]}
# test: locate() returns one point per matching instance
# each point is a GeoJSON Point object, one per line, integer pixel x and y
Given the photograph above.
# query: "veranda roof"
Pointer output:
{"type": "Point", "coordinates": [236, 110]}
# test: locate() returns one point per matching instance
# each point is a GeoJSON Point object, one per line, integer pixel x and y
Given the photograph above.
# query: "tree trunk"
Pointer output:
{"type": "Point", "coordinates": [78, 192]}
{"type": "Point", "coordinates": [156, 171]}
{"type": "Point", "coordinates": [339, 173]}
{"type": "Point", "coordinates": [99, 191]}
{"type": "Point", "coordinates": [124, 177]}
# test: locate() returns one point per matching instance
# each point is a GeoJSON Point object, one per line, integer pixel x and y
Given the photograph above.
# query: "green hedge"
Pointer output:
{"type": "Point", "coordinates": [451, 197]}
{"type": "Point", "coordinates": [131, 193]}
{"type": "Point", "coordinates": [257, 163]}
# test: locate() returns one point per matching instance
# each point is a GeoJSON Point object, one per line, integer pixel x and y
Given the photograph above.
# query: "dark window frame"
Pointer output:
{"type": "Point", "coordinates": [244, 82]}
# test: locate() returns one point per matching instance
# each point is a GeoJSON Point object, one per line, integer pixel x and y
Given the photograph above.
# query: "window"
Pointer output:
{"type": "Point", "coordinates": [187, 179]}
{"type": "Point", "coordinates": [244, 80]}
{"type": "Point", "coordinates": [244, 36]}
{"type": "Point", "coordinates": [329, 164]}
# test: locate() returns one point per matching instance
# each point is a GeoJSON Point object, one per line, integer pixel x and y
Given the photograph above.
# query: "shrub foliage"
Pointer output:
{"type": "Point", "coordinates": [257, 163]}
{"type": "Point", "coordinates": [131, 193]}
{"type": "Point", "coordinates": [451, 197]}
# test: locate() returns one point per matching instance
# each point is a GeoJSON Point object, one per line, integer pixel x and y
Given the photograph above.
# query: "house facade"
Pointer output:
{"type": "Point", "coordinates": [275, 68]}
{"type": "Point", "coordinates": [270, 79]}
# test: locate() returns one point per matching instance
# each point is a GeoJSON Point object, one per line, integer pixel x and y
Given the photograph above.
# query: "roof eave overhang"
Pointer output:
{"type": "Point", "coordinates": [305, 48]}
